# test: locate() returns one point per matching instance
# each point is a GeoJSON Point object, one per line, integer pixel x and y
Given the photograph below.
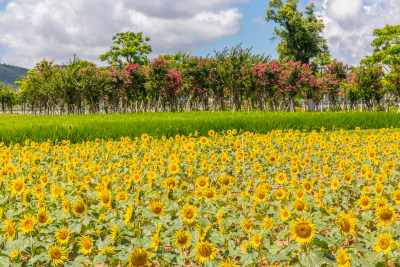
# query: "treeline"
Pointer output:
{"type": "Point", "coordinates": [233, 79]}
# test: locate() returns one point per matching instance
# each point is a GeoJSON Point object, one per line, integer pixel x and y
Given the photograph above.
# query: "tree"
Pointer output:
{"type": "Point", "coordinates": [300, 34]}
{"type": "Point", "coordinates": [130, 46]}
{"type": "Point", "coordinates": [386, 46]}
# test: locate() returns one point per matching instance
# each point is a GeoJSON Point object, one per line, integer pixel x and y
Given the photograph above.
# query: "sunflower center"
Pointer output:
{"type": "Point", "coordinates": [205, 251]}
{"type": "Point", "coordinates": [105, 198]}
{"type": "Point", "coordinates": [182, 239]}
{"type": "Point", "coordinates": [189, 214]}
{"type": "Point", "coordinates": [345, 225]}
{"type": "Point", "coordinates": [157, 209]}
{"type": "Point", "coordinates": [139, 259]}
{"type": "Point", "coordinates": [383, 244]}
{"type": "Point", "coordinates": [80, 208]}
{"type": "Point", "coordinates": [304, 230]}
{"type": "Point", "coordinates": [87, 245]}
{"type": "Point", "coordinates": [386, 215]}
{"type": "Point", "coordinates": [42, 218]}
{"type": "Point", "coordinates": [63, 235]}
{"type": "Point", "coordinates": [56, 255]}
{"type": "Point", "coordinates": [18, 186]}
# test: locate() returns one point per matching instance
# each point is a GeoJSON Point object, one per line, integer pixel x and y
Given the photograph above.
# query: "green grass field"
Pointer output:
{"type": "Point", "coordinates": [17, 128]}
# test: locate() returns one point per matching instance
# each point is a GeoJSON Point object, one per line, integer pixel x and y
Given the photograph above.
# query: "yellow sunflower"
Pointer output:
{"type": "Point", "coordinates": [303, 230]}
{"type": "Point", "coordinates": [299, 205]}
{"type": "Point", "coordinates": [183, 238]}
{"type": "Point", "coordinates": [386, 215]}
{"type": "Point", "coordinates": [18, 186]}
{"type": "Point", "coordinates": [307, 186]}
{"type": "Point", "coordinates": [62, 235]}
{"type": "Point", "coordinates": [86, 244]}
{"type": "Point", "coordinates": [189, 213]}
{"type": "Point", "coordinates": [205, 251]}
{"type": "Point", "coordinates": [396, 197]}
{"type": "Point", "coordinates": [246, 225]}
{"type": "Point", "coordinates": [202, 182]}
{"type": "Point", "coordinates": [27, 224]}
{"type": "Point", "coordinates": [343, 259]}
{"type": "Point", "coordinates": [79, 207]}
{"type": "Point", "coordinates": [57, 254]}
{"type": "Point", "coordinates": [9, 229]}
{"type": "Point", "coordinates": [280, 178]}
{"type": "Point", "coordinates": [284, 214]}
{"type": "Point", "coordinates": [228, 263]}
{"type": "Point", "coordinates": [210, 193]}
{"type": "Point", "coordinates": [364, 202]}
{"type": "Point", "coordinates": [157, 207]}
{"type": "Point", "coordinates": [384, 243]}
{"type": "Point", "coordinates": [267, 223]}
{"type": "Point", "coordinates": [256, 240]}
{"type": "Point", "coordinates": [173, 168]}
{"type": "Point", "coordinates": [43, 217]}
{"type": "Point", "coordinates": [346, 223]}
{"type": "Point", "coordinates": [335, 184]}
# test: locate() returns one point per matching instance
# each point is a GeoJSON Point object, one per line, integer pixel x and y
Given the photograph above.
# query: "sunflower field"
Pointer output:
{"type": "Point", "coordinates": [226, 199]}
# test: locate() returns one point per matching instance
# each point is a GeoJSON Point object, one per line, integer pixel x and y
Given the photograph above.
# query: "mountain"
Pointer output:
{"type": "Point", "coordinates": [9, 74]}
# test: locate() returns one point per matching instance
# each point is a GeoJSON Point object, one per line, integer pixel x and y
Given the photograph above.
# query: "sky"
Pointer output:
{"type": "Point", "coordinates": [31, 30]}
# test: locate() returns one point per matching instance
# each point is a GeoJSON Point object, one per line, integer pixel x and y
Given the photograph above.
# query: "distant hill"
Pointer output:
{"type": "Point", "coordinates": [9, 74]}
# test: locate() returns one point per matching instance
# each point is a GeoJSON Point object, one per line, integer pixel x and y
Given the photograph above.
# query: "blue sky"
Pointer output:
{"type": "Point", "coordinates": [56, 29]}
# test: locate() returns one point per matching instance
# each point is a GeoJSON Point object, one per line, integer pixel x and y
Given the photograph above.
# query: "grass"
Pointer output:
{"type": "Point", "coordinates": [17, 128]}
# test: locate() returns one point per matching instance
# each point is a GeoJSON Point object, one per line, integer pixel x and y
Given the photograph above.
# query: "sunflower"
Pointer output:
{"type": "Point", "coordinates": [79, 207]}
{"type": "Point", "coordinates": [9, 229]}
{"type": "Point", "coordinates": [62, 235]}
{"type": "Point", "coordinates": [173, 168]}
{"type": "Point", "coordinates": [14, 254]}
{"type": "Point", "coordinates": [384, 243]}
{"type": "Point", "coordinates": [378, 188]}
{"type": "Point", "coordinates": [205, 251]}
{"type": "Point", "coordinates": [364, 202]}
{"type": "Point", "coordinates": [396, 197]}
{"type": "Point", "coordinates": [335, 184]}
{"type": "Point", "coordinates": [65, 204]}
{"type": "Point", "coordinates": [284, 214]}
{"type": "Point", "coordinates": [299, 205]}
{"type": "Point", "coordinates": [18, 186]}
{"type": "Point", "coordinates": [43, 217]}
{"type": "Point", "coordinates": [27, 224]}
{"type": "Point", "coordinates": [303, 230]}
{"type": "Point", "coordinates": [348, 177]}
{"type": "Point", "coordinates": [57, 254]}
{"type": "Point", "coordinates": [280, 193]}
{"type": "Point", "coordinates": [346, 223]}
{"type": "Point", "coordinates": [267, 223]}
{"type": "Point", "coordinates": [86, 244]}
{"type": "Point", "coordinates": [246, 225]}
{"type": "Point", "coordinates": [189, 213]}
{"type": "Point", "coordinates": [114, 232]}
{"type": "Point", "coordinates": [157, 207]}
{"type": "Point", "coordinates": [386, 215]}
{"type": "Point", "coordinates": [171, 182]}
{"type": "Point", "coordinates": [228, 263]}
{"type": "Point", "coordinates": [380, 202]}
{"type": "Point", "coordinates": [139, 257]}
{"type": "Point", "coordinates": [210, 193]}
{"type": "Point", "coordinates": [260, 194]}
{"type": "Point", "coordinates": [280, 178]}
{"type": "Point", "coordinates": [183, 238]}
{"type": "Point", "coordinates": [343, 259]}
{"type": "Point", "coordinates": [256, 240]}
{"type": "Point", "coordinates": [105, 198]}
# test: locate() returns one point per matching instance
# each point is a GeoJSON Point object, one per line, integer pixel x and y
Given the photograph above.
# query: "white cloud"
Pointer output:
{"type": "Point", "coordinates": [349, 25]}
{"type": "Point", "coordinates": [260, 21]}
{"type": "Point", "coordinates": [31, 30]}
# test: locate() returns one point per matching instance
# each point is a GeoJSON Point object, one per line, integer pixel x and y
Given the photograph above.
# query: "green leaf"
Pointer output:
{"type": "Point", "coordinates": [320, 243]}
{"type": "Point", "coordinates": [83, 259]}
{"type": "Point", "coordinates": [4, 261]}
{"type": "Point", "coordinates": [99, 259]}
{"type": "Point", "coordinates": [310, 259]}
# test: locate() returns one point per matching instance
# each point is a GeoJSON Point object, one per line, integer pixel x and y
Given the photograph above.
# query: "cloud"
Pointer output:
{"type": "Point", "coordinates": [349, 25]}
{"type": "Point", "coordinates": [260, 21]}
{"type": "Point", "coordinates": [31, 30]}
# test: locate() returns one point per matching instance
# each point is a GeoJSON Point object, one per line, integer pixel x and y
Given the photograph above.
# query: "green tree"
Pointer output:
{"type": "Point", "coordinates": [300, 33]}
{"type": "Point", "coordinates": [386, 46]}
{"type": "Point", "coordinates": [129, 46]}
